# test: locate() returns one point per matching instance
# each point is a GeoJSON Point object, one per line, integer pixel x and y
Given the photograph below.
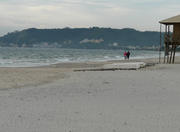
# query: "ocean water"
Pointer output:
{"type": "Point", "coordinates": [30, 57]}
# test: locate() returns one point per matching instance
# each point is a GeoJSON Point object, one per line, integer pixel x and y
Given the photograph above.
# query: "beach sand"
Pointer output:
{"type": "Point", "coordinates": [56, 99]}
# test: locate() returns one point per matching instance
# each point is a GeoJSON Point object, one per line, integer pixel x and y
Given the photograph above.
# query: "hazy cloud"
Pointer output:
{"type": "Point", "coordinates": [139, 14]}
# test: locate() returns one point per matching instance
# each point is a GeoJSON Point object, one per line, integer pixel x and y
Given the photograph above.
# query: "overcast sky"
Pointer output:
{"type": "Point", "coordinates": [138, 14]}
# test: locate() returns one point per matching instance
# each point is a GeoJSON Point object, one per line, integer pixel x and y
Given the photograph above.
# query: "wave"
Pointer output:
{"type": "Point", "coordinates": [30, 57]}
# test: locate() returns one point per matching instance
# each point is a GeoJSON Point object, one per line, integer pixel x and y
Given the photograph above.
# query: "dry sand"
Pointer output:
{"type": "Point", "coordinates": [56, 99]}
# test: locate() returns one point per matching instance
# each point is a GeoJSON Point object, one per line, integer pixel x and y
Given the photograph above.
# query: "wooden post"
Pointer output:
{"type": "Point", "coordinates": [174, 53]}
{"type": "Point", "coordinates": [160, 43]}
{"type": "Point", "coordinates": [168, 52]}
{"type": "Point", "coordinates": [168, 43]}
{"type": "Point", "coordinates": [171, 54]}
{"type": "Point", "coordinates": [169, 30]}
{"type": "Point", "coordinates": [165, 44]}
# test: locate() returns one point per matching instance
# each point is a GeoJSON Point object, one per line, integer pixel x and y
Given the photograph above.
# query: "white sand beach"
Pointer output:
{"type": "Point", "coordinates": [57, 99]}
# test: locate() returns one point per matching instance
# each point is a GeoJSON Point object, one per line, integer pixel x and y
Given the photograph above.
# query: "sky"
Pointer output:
{"type": "Point", "coordinates": [138, 14]}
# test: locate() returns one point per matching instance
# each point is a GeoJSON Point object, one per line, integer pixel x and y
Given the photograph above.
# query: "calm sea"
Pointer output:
{"type": "Point", "coordinates": [29, 57]}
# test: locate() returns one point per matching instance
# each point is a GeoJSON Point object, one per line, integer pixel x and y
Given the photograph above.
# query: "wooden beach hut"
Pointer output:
{"type": "Point", "coordinates": [171, 38]}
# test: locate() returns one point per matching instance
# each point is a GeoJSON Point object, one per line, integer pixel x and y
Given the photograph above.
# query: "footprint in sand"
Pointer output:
{"type": "Point", "coordinates": [105, 82]}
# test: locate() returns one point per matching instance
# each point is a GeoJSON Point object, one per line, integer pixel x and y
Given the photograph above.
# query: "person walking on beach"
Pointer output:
{"type": "Point", "coordinates": [125, 55]}
{"type": "Point", "coordinates": [128, 55]}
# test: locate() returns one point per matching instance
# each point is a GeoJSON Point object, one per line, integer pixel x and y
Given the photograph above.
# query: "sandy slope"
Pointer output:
{"type": "Point", "coordinates": [110, 101]}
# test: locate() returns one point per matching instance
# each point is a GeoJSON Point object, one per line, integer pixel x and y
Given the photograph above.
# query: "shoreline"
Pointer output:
{"type": "Point", "coordinates": [18, 77]}
{"type": "Point", "coordinates": [91, 61]}
{"type": "Point", "coordinates": [100, 64]}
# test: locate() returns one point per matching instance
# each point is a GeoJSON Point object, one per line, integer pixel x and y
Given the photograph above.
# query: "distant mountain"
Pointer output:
{"type": "Point", "coordinates": [90, 38]}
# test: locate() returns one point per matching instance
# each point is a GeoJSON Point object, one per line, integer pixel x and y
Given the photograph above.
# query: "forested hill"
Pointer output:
{"type": "Point", "coordinates": [81, 38]}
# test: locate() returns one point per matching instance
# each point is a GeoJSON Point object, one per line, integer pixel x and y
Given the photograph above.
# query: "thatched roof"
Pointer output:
{"type": "Point", "coordinates": [172, 20]}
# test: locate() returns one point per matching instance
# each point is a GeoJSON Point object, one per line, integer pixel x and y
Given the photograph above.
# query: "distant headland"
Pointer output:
{"type": "Point", "coordinates": [82, 38]}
